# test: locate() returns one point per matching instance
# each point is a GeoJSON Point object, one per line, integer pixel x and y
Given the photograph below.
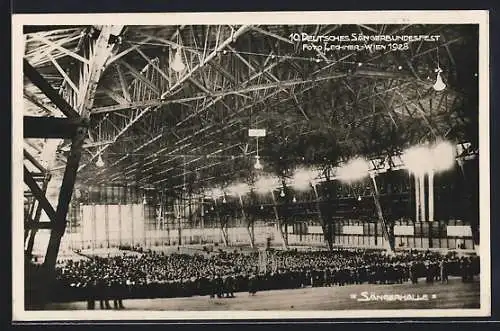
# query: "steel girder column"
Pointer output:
{"type": "Point", "coordinates": [248, 223]}
{"type": "Point", "coordinates": [325, 223]}
{"type": "Point", "coordinates": [102, 50]}
{"type": "Point", "coordinates": [387, 234]}
{"type": "Point", "coordinates": [279, 223]}
{"type": "Point", "coordinates": [36, 219]}
{"type": "Point", "coordinates": [31, 219]}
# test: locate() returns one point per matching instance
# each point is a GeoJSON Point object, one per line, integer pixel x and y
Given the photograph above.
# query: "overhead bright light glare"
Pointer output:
{"type": "Point", "coordinates": [265, 184]}
{"type": "Point", "coordinates": [216, 193]}
{"type": "Point", "coordinates": [353, 170]}
{"type": "Point", "coordinates": [302, 178]}
{"type": "Point", "coordinates": [418, 159]}
{"type": "Point", "coordinates": [238, 189]}
{"type": "Point", "coordinates": [443, 156]}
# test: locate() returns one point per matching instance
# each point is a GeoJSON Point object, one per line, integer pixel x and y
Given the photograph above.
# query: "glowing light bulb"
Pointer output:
{"type": "Point", "coordinates": [261, 207]}
{"type": "Point", "coordinates": [212, 208]}
{"type": "Point", "coordinates": [282, 193]}
{"type": "Point", "coordinates": [439, 85]}
{"type": "Point", "coordinates": [100, 162]}
{"type": "Point", "coordinates": [224, 199]}
{"type": "Point", "coordinates": [257, 164]}
{"type": "Point", "coordinates": [177, 64]}
{"type": "Point", "coordinates": [294, 200]}
{"type": "Point", "coordinates": [359, 198]}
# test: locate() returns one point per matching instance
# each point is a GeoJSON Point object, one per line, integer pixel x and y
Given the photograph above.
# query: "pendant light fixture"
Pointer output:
{"type": "Point", "coordinates": [282, 193]}
{"type": "Point", "coordinates": [258, 165]}
{"type": "Point", "coordinates": [99, 162]}
{"type": "Point", "coordinates": [177, 65]}
{"type": "Point", "coordinates": [439, 85]}
{"type": "Point", "coordinates": [294, 200]}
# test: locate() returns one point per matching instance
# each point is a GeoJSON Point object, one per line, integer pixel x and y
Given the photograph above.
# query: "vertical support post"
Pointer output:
{"type": "Point", "coordinates": [132, 239]}
{"type": "Point", "coordinates": [431, 196]}
{"type": "Point", "coordinates": [324, 225]}
{"type": "Point", "coordinates": [431, 205]}
{"type": "Point", "coordinates": [248, 222]}
{"type": "Point", "coordinates": [380, 214]}
{"type": "Point", "coordinates": [144, 224]}
{"type": "Point", "coordinates": [417, 198]}
{"type": "Point", "coordinates": [94, 225]}
{"type": "Point", "coordinates": [36, 219]}
{"type": "Point", "coordinates": [106, 223]}
{"type": "Point", "coordinates": [278, 222]}
{"type": "Point", "coordinates": [65, 193]}
{"type": "Point", "coordinates": [422, 197]}
{"type": "Point", "coordinates": [120, 224]}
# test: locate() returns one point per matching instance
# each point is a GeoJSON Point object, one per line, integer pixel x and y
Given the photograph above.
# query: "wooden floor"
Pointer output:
{"type": "Point", "coordinates": [455, 295]}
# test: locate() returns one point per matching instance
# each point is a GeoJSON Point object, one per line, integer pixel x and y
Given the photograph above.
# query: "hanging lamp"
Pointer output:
{"type": "Point", "coordinates": [99, 162]}
{"type": "Point", "coordinates": [177, 65]}
{"type": "Point", "coordinates": [439, 85]}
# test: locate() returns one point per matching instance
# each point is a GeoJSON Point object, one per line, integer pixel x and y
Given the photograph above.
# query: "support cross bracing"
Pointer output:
{"type": "Point", "coordinates": [93, 66]}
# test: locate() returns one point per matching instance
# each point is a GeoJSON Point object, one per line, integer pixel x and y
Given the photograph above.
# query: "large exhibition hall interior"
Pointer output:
{"type": "Point", "coordinates": [194, 152]}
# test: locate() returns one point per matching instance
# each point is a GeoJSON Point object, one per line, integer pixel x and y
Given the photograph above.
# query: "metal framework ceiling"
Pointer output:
{"type": "Point", "coordinates": [154, 126]}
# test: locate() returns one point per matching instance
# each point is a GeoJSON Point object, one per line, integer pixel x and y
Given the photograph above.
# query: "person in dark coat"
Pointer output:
{"type": "Point", "coordinates": [252, 285]}
{"type": "Point", "coordinates": [103, 292]}
{"type": "Point", "coordinates": [118, 289]}
{"type": "Point", "coordinates": [90, 289]}
{"type": "Point", "coordinates": [229, 287]}
{"type": "Point", "coordinates": [213, 287]}
{"type": "Point", "coordinates": [220, 286]}
{"type": "Point", "coordinates": [443, 268]}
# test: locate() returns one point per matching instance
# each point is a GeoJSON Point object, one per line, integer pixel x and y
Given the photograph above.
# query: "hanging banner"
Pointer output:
{"type": "Point", "coordinates": [256, 132]}
{"type": "Point", "coordinates": [404, 230]}
{"type": "Point", "coordinates": [352, 229]}
{"type": "Point", "coordinates": [458, 231]}
{"type": "Point", "coordinates": [315, 229]}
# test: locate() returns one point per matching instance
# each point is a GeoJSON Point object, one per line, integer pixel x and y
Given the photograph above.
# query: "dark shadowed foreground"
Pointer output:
{"type": "Point", "coordinates": [454, 295]}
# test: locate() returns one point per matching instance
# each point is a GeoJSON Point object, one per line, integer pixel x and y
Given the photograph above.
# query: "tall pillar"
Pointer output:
{"type": "Point", "coordinates": [422, 197]}
{"type": "Point", "coordinates": [431, 196]}
{"type": "Point", "coordinates": [94, 227]}
{"type": "Point", "coordinates": [106, 223]}
{"type": "Point", "coordinates": [120, 224]}
{"type": "Point", "coordinates": [417, 198]}
{"type": "Point", "coordinates": [131, 207]}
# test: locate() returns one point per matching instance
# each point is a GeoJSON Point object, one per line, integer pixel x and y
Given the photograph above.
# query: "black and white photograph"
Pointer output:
{"type": "Point", "coordinates": [250, 165]}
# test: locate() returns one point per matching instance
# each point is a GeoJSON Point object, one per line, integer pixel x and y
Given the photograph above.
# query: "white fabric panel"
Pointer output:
{"type": "Point", "coordinates": [87, 224]}
{"type": "Point", "coordinates": [352, 229]}
{"type": "Point", "coordinates": [404, 230]}
{"type": "Point", "coordinates": [113, 223]}
{"type": "Point", "coordinates": [315, 229]}
{"type": "Point", "coordinates": [138, 223]}
{"type": "Point", "coordinates": [459, 231]}
{"type": "Point", "coordinates": [100, 224]}
{"type": "Point", "coordinates": [126, 228]}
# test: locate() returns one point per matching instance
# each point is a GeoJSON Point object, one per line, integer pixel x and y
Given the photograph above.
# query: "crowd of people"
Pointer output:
{"type": "Point", "coordinates": [221, 274]}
